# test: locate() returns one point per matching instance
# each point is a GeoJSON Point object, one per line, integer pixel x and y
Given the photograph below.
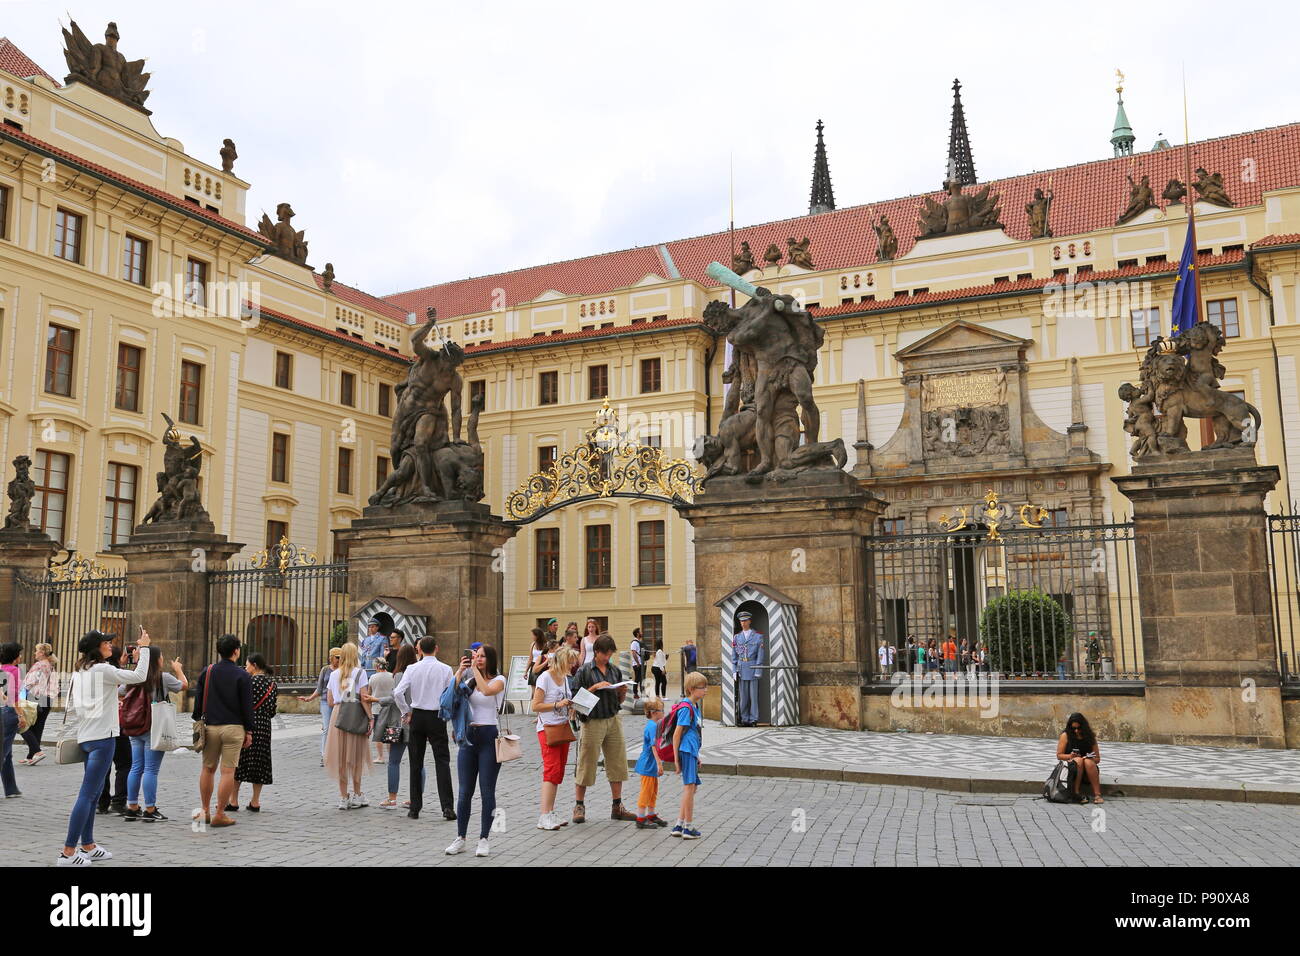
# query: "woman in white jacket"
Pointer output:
{"type": "Point", "coordinates": [94, 699]}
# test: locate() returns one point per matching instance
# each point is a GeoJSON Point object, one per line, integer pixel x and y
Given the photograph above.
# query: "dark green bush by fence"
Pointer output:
{"type": "Point", "coordinates": [1026, 632]}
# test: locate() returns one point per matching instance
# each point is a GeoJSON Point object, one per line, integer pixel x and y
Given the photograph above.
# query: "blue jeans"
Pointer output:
{"type": "Point", "coordinates": [144, 768]}
{"type": "Point", "coordinates": [476, 761]}
{"type": "Point", "coordinates": [395, 752]}
{"type": "Point", "coordinates": [99, 761]}
{"type": "Point", "coordinates": [8, 727]}
{"type": "Point", "coordinates": [325, 711]}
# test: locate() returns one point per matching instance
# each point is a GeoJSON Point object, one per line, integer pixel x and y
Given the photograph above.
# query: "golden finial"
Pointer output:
{"type": "Point", "coordinates": [1119, 81]}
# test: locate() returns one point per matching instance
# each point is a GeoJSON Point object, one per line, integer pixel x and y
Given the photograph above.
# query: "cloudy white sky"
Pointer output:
{"type": "Point", "coordinates": [422, 142]}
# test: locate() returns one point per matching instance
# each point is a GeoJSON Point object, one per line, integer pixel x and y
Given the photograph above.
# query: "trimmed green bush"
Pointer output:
{"type": "Point", "coordinates": [339, 636]}
{"type": "Point", "coordinates": [1026, 631]}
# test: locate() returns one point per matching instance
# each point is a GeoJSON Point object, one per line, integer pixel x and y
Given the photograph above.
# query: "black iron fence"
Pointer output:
{"type": "Point", "coordinates": [1284, 564]}
{"type": "Point", "coordinates": [59, 608]}
{"type": "Point", "coordinates": [1031, 603]}
{"type": "Point", "coordinates": [287, 612]}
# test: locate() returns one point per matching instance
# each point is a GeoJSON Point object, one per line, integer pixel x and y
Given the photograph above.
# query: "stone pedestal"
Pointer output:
{"type": "Point", "coordinates": [804, 538]}
{"type": "Point", "coordinates": [25, 552]}
{"type": "Point", "coordinates": [1200, 531]}
{"type": "Point", "coordinates": [442, 557]}
{"type": "Point", "coordinates": [167, 586]}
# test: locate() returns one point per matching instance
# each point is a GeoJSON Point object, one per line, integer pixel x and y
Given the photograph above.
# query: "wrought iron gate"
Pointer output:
{"type": "Point", "coordinates": [59, 606]}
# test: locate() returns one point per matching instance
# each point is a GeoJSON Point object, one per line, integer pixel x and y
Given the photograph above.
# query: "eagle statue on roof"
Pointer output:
{"type": "Point", "coordinates": [101, 66]}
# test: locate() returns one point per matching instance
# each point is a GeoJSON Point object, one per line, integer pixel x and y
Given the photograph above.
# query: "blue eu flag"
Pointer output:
{"type": "Point", "coordinates": [1186, 309]}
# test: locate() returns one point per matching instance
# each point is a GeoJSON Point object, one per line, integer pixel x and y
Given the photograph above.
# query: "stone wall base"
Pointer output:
{"type": "Point", "coordinates": [1112, 716]}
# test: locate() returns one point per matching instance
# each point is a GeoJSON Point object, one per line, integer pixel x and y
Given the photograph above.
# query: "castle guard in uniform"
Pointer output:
{"type": "Point", "coordinates": [749, 653]}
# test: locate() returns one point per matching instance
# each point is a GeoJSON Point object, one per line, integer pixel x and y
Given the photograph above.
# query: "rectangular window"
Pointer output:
{"type": "Point", "coordinates": [652, 632]}
{"type": "Point", "coordinates": [478, 389]}
{"type": "Point", "coordinates": [135, 260]}
{"type": "Point", "coordinates": [4, 212]}
{"type": "Point", "coordinates": [546, 545]}
{"type": "Point", "coordinates": [191, 392]}
{"type": "Point", "coordinates": [1146, 326]}
{"type": "Point", "coordinates": [119, 503]}
{"type": "Point", "coordinates": [1223, 313]}
{"type": "Point", "coordinates": [598, 381]}
{"type": "Point", "coordinates": [548, 388]}
{"type": "Point", "coordinates": [348, 389]}
{"type": "Point", "coordinates": [127, 394]}
{"type": "Point", "coordinates": [1056, 518]}
{"type": "Point", "coordinates": [892, 526]}
{"type": "Point", "coordinates": [651, 375]}
{"type": "Point", "coordinates": [381, 470]}
{"type": "Point", "coordinates": [60, 348]}
{"type": "Point", "coordinates": [545, 457]}
{"type": "Point", "coordinates": [385, 399]}
{"type": "Point", "coordinates": [196, 282]}
{"type": "Point", "coordinates": [280, 457]}
{"type": "Point", "coordinates": [283, 370]}
{"type": "Point", "coordinates": [345, 471]}
{"type": "Point", "coordinates": [650, 552]}
{"type": "Point", "coordinates": [276, 531]}
{"type": "Point", "coordinates": [52, 478]}
{"type": "Point", "coordinates": [67, 235]}
{"type": "Point", "coordinates": [598, 555]}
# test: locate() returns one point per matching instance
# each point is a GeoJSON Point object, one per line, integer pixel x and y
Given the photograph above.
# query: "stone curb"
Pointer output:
{"type": "Point", "coordinates": [1225, 791]}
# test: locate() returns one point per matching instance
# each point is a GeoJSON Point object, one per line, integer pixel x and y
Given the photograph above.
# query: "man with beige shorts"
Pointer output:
{"type": "Point", "coordinates": [602, 731]}
{"type": "Point", "coordinates": [225, 701]}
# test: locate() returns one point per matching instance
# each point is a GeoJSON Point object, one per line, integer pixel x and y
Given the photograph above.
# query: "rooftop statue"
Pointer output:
{"type": "Point", "coordinates": [1209, 186]}
{"type": "Point", "coordinates": [797, 253]}
{"type": "Point", "coordinates": [1140, 199]}
{"type": "Point", "coordinates": [1039, 211]}
{"type": "Point", "coordinates": [228, 155]}
{"type": "Point", "coordinates": [100, 66]}
{"type": "Point", "coordinates": [742, 261]}
{"type": "Point", "coordinates": [961, 212]}
{"type": "Point", "coordinates": [773, 255]}
{"type": "Point", "coordinates": [886, 241]}
{"type": "Point", "coordinates": [287, 242]}
{"type": "Point", "coordinates": [1174, 191]}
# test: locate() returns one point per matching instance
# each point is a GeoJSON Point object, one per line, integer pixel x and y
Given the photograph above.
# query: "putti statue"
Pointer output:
{"type": "Point", "coordinates": [101, 66]}
{"type": "Point", "coordinates": [1180, 380]}
{"type": "Point", "coordinates": [775, 345]}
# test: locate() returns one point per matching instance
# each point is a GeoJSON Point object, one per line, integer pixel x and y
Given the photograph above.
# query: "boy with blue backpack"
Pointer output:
{"type": "Point", "coordinates": [687, 738]}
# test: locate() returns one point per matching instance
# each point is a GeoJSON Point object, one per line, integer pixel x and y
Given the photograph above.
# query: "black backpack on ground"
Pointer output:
{"type": "Point", "coordinates": [1059, 786]}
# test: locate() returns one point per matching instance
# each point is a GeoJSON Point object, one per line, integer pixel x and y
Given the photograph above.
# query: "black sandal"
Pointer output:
{"type": "Point", "coordinates": [231, 808]}
{"type": "Point", "coordinates": [254, 808]}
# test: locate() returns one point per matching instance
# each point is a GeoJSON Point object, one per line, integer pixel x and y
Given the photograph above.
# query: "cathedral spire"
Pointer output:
{"type": "Point", "coordinates": [823, 196]}
{"type": "Point", "coordinates": [1121, 137]}
{"type": "Point", "coordinates": [961, 164]}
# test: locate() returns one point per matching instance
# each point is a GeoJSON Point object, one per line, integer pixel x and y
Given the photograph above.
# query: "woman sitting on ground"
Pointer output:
{"type": "Point", "coordinates": [1079, 743]}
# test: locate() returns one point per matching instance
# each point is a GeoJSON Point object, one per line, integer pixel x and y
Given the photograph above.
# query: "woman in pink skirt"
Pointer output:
{"type": "Point", "coordinates": [347, 755]}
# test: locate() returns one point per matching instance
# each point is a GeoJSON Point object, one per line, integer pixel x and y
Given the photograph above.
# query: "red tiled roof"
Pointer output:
{"type": "Point", "coordinates": [1024, 285]}
{"type": "Point", "coordinates": [1088, 197]}
{"type": "Point", "coordinates": [364, 299]}
{"type": "Point", "coordinates": [112, 176]}
{"type": "Point", "coordinates": [19, 64]}
{"type": "Point", "coordinates": [540, 341]}
{"type": "Point", "coordinates": [593, 275]}
{"type": "Point", "coordinates": [1284, 239]}
{"type": "Point", "coordinates": [330, 333]}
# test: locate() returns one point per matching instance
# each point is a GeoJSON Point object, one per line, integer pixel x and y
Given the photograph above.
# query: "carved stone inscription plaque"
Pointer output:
{"type": "Point", "coordinates": [964, 390]}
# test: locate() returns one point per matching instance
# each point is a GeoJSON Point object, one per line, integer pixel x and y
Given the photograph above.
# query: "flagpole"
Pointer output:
{"type": "Point", "coordinates": [731, 228]}
{"type": "Point", "coordinates": [1191, 201]}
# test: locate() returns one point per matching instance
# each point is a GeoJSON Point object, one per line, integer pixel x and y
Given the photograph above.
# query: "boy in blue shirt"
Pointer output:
{"type": "Point", "coordinates": [686, 751]}
{"type": "Point", "coordinates": [649, 767]}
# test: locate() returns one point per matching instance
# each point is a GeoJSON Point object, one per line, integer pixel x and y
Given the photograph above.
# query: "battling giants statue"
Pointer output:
{"type": "Point", "coordinates": [1180, 380]}
{"type": "Point", "coordinates": [178, 482]}
{"type": "Point", "coordinates": [776, 347]}
{"type": "Point", "coordinates": [431, 462]}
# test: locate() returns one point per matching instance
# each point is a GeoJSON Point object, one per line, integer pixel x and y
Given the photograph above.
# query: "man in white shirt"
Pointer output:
{"type": "Point", "coordinates": [638, 664]}
{"type": "Point", "coordinates": [418, 696]}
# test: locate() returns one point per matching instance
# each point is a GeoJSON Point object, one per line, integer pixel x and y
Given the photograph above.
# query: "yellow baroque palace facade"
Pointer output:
{"type": "Point", "coordinates": [127, 268]}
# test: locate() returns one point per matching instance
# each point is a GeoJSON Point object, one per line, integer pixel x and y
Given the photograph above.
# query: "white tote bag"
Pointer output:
{"type": "Point", "coordinates": [162, 733]}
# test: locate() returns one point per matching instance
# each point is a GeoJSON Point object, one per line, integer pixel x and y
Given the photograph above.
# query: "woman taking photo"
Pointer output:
{"type": "Point", "coordinates": [40, 686]}
{"type": "Point", "coordinates": [322, 682]}
{"type": "Point", "coordinates": [1079, 743]}
{"type": "Point", "coordinates": [659, 667]}
{"type": "Point", "coordinates": [93, 698]}
{"type": "Point", "coordinates": [476, 761]}
{"type": "Point", "coordinates": [145, 761]}
{"type": "Point", "coordinates": [388, 720]}
{"type": "Point", "coordinates": [552, 705]}
{"type": "Point", "coordinates": [347, 754]}
{"type": "Point", "coordinates": [255, 762]}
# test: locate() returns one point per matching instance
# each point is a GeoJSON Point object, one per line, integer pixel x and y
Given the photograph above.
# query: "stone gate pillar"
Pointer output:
{"type": "Point", "coordinates": [27, 552]}
{"type": "Point", "coordinates": [804, 538]}
{"type": "Point", "coordinates": [443, 557]}
{"type": "Point", "coordinates": [1203, 582]}
{"type": "Point", "coordinates": [167, 586]}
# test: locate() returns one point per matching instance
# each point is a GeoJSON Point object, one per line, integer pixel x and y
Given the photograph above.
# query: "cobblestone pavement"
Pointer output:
{"type": "Point", "coordinates": [745, 821]}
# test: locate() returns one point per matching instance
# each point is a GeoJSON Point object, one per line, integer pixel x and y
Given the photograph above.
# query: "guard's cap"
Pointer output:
{"type": "Point", "coordinates": [745, 616]}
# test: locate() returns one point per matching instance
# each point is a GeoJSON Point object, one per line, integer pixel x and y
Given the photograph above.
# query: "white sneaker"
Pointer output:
{"type": "Point", "coordinates": [78, 858]}
{"type": "Point", "coordinates": [345, 803]}
{"type": "Point", "coordinates": [457, 846]}
{"type": "Point", "coordinates": [358, 800]}
{"type": "Point", "coordinates": [97, 854]}
{"type": "Point", "coordinates": [482, 848]}
{"type": "Point", "coordinates": [549, 821]}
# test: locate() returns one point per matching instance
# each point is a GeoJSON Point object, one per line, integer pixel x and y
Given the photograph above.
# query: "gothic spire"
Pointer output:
{"type": "Point", "coordinates": [1121, 137]}
{"type": "Point", "coordinates": [961, 164]}
{"type": "Point", "coordinates": [823, 196]}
